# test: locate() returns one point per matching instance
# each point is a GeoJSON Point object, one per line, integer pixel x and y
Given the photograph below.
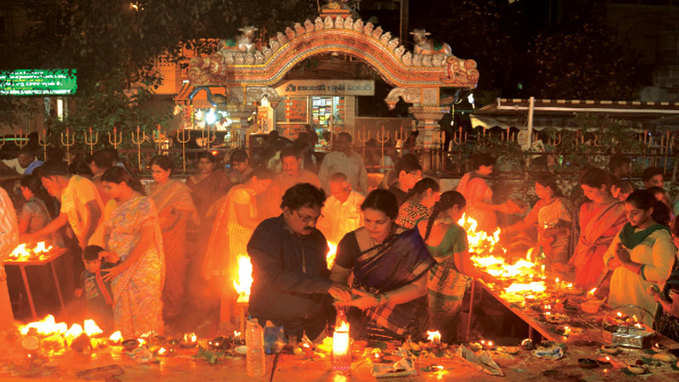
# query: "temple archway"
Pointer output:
{"type": "Point", "coordinates": [251, 73]}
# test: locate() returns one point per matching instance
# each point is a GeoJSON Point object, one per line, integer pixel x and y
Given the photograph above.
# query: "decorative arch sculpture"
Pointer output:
{"type": "Point", "coordinates": [416, 78]}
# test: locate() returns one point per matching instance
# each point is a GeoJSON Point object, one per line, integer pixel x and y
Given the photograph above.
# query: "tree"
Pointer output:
{"type": "Point", "coordinates": [583, 63]}
{"type": "Point", "coordinates": [113, 44]}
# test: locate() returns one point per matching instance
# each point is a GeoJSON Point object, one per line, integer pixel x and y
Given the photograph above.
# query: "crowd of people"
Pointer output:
{"type": "Point", "coordinates": [145, 258]}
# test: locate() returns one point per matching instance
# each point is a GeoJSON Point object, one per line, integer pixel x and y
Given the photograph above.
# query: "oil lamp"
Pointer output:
{"type": "Point", "coordinates": [488, 345]}
{"type": "Point", "coordinates": [189, 340]}
{"type": "Point", "coordinates": [238, 338]}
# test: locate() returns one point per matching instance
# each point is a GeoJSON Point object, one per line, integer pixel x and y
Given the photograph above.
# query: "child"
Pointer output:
{"type": "Point", "coordinates": [98, 296]}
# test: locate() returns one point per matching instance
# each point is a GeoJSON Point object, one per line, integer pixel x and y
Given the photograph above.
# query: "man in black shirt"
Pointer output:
{"type": "Point", "coordinates": [291, 278]}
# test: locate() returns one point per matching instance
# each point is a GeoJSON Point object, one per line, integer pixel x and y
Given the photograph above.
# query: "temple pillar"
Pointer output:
{"type": "Point", "coordinates": [428, 118]}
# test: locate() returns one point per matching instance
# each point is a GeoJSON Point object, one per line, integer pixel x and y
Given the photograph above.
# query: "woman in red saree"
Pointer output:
{"type": "Point", "coordinates": [175, 213]}
{"type": "Point", "coordinates": [600, 220]}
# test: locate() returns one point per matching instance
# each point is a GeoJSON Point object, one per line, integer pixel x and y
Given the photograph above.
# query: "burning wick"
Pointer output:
{"type": "Point", "coordinates": [161, 352]}
{"type": "Point", "coordinates": [591, 292]}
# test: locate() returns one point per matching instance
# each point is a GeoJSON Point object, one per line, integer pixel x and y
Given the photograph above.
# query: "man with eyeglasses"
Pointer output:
{"type": "Point", "coordinates": [291, 279]}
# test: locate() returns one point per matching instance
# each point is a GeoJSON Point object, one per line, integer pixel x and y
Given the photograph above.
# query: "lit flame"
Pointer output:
{"type": "Point", "coordinates": [591, 292]}
{"type": "Point", "coordinates": [190, 338]}
{"type": "Point", "coordinates": [116, 337]}
{"type": "Point", "coordinates": [91, 328]}
{"type": "Point", "coordinates": [434, 336]}
{"type": "Point", "coordinates": [44, 327]}
{"type": "Point", "coordinates": [162, 351]}
{"type": "Point", "coordinates": [23, 253]}
{"type": "Point", "coordinates": [536, 286]}
{"type": "Point", "coordinates": [332, 252]}
{"type": "Point", "coordinates": [73, 332]}
{"type": "Point", "coordinates": [244, 282]}
{"type": "Point", "coordinates": [41, 247]}
{"type": "Point", "coordinates": [479, 241]}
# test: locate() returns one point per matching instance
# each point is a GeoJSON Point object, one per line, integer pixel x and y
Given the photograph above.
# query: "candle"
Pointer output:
{"type": "Point", "coordinates": [591, 292]}
{"type": "Point", "coordinates": [161, 352]}
{"type": "Point", "coordinates": [341, 350]}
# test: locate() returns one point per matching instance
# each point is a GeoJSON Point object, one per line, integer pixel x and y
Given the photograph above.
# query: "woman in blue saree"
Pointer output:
{"type": "Point", "coordinates": [389, 265]}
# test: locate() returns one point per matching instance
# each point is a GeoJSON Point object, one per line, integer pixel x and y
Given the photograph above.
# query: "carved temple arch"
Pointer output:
{"type": "Point", "coordinates": [268, 66]}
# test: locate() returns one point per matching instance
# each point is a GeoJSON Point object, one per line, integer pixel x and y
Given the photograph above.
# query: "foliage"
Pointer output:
{"type": "Point", "coordinates": [113, 46]}
{"type": "Point", "coordinates": [586, 63]}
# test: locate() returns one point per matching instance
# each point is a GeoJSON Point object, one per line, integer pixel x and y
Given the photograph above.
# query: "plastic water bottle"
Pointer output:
{"type": "Point", "coordinates": [255, 362]}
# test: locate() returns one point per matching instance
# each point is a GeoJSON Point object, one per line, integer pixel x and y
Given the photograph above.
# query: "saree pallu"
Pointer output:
{"type": "Point", "coordinates": [174, 199]}
{"type": "Point", "coordinates": [446, 288]}
{"type": "Point", "coordinates": [599, 224]}
{"type": "Point", "coordinates": [137, 292]}
{"type": "Point", "coordinates": [399, 261]}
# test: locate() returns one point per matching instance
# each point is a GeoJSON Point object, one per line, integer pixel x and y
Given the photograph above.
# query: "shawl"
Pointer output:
{"type": "Point", "coordinates": [630, 239]}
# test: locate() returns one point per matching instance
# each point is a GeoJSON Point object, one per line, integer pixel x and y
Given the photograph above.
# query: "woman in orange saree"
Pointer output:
{"type": "Point", "coordinates": [600, 220]}
{"type": "Point", "coordinates": [176, 212]}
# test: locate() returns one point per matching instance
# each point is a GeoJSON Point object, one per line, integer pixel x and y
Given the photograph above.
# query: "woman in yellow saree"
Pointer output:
{"type": "Point", "coordinates": [236, 217]}
{"type": "Point", "coordinates": [176, 212]}
{"type": "Point", "coordinates": [133, 234]}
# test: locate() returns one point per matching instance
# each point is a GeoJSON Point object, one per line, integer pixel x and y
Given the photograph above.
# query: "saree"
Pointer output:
{"type": "Point", "coordinates": [475, 189]}
{"type": "Point", "coordinates": [173, 202]}
{"type": "Point", "coordinates": [228, 239]}
{"type": "Point", "coordinates": [137, 291]}
{"type": "Point", "coordinates": [400, 260]}
{"type": "Point", "coordinates": [599, 224]}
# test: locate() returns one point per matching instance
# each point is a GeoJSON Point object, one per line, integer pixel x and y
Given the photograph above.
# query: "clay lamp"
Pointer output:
{"type": "Point", "coordinates": [130, 344]}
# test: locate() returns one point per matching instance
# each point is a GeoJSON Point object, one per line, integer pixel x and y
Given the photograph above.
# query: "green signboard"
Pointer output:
{"type": "Point", "coordinates": [38, 82]}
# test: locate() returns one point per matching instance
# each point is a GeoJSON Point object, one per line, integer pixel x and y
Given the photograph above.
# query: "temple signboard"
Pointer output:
{"type": "Point", "coordinates": [327, 88]}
